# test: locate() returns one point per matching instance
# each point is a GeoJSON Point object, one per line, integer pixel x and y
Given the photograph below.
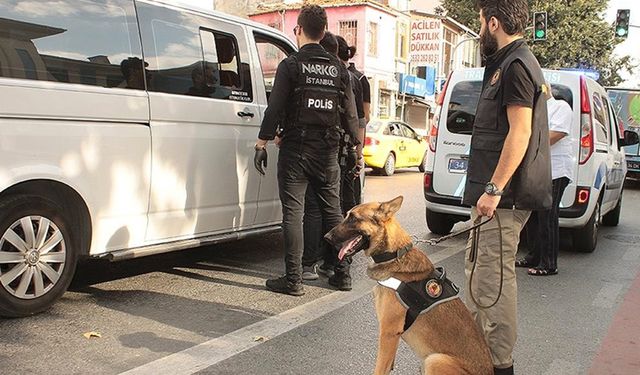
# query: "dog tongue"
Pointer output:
{"type": "Point", "coordinates": [348, 246]}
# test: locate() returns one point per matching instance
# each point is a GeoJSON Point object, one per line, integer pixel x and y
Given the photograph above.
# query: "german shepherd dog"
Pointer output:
{"type": "Point", "coordinates": [446, 337]}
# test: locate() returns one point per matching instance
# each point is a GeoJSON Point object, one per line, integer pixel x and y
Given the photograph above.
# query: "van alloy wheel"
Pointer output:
{"type": "Point", "coordinates": [32, 257]}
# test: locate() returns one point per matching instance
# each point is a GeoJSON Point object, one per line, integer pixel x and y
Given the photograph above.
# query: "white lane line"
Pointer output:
{"type": "Point", "coordinates": [562, 367]}
{"type": "Point", "coordinates": [606, 297]}
{"type": "Point", "coordinates": [207, 354]}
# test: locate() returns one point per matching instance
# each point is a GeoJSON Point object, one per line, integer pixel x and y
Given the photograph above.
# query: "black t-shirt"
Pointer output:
{"type": "Point", "coordinates": [519, 88]}
{"type": "Point", "coordinates": [357, 93]}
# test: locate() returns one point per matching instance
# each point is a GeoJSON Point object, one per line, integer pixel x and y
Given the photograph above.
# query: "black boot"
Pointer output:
{"type": "Point", "coordinates": [503, 371]}
{"type": "Point", "coordinates": [283, 285]}
{"type": "Point", "coordinates": [341, 280]}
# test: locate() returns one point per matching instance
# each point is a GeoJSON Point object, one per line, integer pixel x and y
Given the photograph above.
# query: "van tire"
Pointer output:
{"type": "Point", "coordinates": [438, 223]}
{"type": "Point", "coordinates": [423, 166]}
{"type": "Point", "coordinates": [389, 166]}
{"type": "Point", "coordinates": [612, 218]}
{"type": "Point", "coordinates": [585, 239]}
{"type": "Point", "coordinates": [15, 302]}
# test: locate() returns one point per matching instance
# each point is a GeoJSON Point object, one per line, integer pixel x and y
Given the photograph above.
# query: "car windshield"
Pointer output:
{"type": "Point", "coordinates": [374, 126]}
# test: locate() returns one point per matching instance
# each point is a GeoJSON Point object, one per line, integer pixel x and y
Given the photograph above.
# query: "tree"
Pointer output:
{"type": "Point", "coordinates": [577, 35]}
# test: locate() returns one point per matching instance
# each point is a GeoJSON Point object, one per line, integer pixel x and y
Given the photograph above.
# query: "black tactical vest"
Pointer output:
{"type": "Point", "coordinates": [530, 186]}
{"type": "Point", "coordinates": [319, 90]}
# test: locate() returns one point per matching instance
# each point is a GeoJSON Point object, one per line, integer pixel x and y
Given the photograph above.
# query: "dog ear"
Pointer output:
{"type": "Point", "coordinates": [388, 209]}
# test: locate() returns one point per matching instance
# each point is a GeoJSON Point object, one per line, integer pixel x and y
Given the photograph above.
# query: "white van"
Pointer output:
{"type": "Point", "coordinates": [126, 129]}
{"type": "Point", "coordinates": [595, 193]}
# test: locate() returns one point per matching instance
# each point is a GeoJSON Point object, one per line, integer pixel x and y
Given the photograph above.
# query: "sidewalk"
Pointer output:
{"type": "Point", "coordinates": [619, 352]}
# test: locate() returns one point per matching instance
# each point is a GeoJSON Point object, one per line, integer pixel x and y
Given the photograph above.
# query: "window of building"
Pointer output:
{"type": "Point", "coordinates": [276, 25]}
{"type": "Point", "coordinates": [402, 46]}
{"type": "Point", "coordinates": [187, 57]}
{"type": "Point", "coordinates": [77, 41]}
{"type": "Point", "coordinates": [349, 31]}
{"type": "Point", "coordinates": [373, 39]}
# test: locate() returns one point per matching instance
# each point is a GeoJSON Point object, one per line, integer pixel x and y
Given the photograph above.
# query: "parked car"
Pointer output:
{"type": "Point", "coordinates": [105, 155]}
{"type": "Point", "coordinates": [392, 144]}
{"type": "Point", "coordinates": [595, 193]}
{"type": "Point", "coordinates": [626, 105]}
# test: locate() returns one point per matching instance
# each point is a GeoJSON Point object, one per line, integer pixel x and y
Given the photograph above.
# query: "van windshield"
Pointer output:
{"type": "Point", "coordinates": [464, 101]}
{"type": "Point", "coordinates": [462, 106]}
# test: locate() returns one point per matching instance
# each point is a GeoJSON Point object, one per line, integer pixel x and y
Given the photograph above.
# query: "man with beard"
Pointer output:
{"type": "Point", "coordinates": [509, 171]}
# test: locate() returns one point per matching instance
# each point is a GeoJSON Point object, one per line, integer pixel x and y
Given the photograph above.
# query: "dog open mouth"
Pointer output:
{"type": "Point", "coordinates": [352, 246]}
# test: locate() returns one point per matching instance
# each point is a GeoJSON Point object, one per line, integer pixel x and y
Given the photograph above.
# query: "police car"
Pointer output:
{"type": "Point", "coordinates": [595, 193]}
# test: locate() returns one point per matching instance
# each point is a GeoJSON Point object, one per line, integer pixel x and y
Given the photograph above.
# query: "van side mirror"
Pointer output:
{"type": "Point", "coordinates": [630, 138]}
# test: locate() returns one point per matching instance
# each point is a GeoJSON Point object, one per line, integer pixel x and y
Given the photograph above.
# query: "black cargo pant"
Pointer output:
{"type": "Point", "coordinates": [308, 157]}
{"type": "Point", "coordinates": [315, 248]}
{"type": "Point", "coordinates": [543, 231]}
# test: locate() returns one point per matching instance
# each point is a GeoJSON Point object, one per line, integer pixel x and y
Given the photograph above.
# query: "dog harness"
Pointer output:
{"type": "Point", "coordinates": [419, 297]}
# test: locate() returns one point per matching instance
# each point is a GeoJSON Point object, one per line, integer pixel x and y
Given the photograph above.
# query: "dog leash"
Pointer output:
{"type": "Point", "coordinates": [473, 254]}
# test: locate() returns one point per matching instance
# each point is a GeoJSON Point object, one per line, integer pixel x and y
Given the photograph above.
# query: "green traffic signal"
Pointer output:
{"type": "Point", "coordinates": [622, 23]}
{"type": "Point", "coordinates": [539, 26]}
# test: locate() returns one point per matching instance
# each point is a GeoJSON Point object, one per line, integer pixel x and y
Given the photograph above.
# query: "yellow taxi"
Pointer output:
{"type": "Point", "coordinates": [392, 144]}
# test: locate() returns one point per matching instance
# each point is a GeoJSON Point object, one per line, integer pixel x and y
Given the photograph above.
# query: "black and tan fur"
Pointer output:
{"type": "Point", "coordinates": [446, 338]}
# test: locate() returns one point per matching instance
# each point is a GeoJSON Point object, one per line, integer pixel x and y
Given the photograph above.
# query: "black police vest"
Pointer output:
{"type": "Point", "coordinates": [419, 297]}
{"type": "Point", "coordinates": [530, 186]}
{"type": "Point", "coordinates": [319, 91]}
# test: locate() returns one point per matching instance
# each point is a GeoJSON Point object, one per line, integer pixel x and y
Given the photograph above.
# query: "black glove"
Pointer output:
{"type": "Point", "coordinates": [352, 158]}
{"type": "Point", "coordinates": [260, 160]}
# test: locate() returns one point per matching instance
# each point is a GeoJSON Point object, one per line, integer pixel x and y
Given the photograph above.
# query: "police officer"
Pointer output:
{"type": "Point", "coordinates": [509, 171]}
{"type": "Point", "coordinates": [311, 97]}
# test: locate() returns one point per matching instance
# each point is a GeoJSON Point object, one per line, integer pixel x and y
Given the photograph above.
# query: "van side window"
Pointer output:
{"type": "Point", "coordinates": [89, 42]}
{"type": "Point", "coordinates": [602, 119]}
{"type": "Point", "coordinates": [461, 111]}
{"type": "Point", "coordinates": [187, 57]}
{"type": "Point", "coordinates": [271, 53]}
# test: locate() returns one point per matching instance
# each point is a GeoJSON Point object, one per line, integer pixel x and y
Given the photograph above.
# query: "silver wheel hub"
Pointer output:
{"type": "Point", "coordinates": [32, 257]}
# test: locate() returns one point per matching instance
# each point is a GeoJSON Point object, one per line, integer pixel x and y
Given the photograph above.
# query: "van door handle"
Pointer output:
{"type": "Point", "coordinates": [245, 114]}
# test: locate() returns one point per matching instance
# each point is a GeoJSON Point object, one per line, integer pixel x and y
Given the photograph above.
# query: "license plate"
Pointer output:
{"type": "Point", "coordinates": [458, 165]}
{"type": "Point", "coordinates": [633, 165]}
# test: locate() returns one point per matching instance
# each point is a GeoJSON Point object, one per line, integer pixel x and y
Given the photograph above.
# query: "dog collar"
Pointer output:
{"type": "Point", "coordinates": [386, 256]}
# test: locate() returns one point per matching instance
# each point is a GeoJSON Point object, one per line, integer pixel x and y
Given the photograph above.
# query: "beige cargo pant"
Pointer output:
{"type": "Point", "coordinates": [497, 323]}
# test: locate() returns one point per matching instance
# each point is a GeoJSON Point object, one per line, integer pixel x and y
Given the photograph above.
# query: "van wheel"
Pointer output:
{"type": "Point", "coordinates": [389, 166]}
{"type": "Point", "coordinates": [612, 218]}
{"type": "Point", "coordinates": [38, 255]}
{"type": "Point", "coordinates": [585, 239]}
{"type": "Point", "coordinates": [423, 166]}
{"type": "Point", "coordinates": [440, 224]}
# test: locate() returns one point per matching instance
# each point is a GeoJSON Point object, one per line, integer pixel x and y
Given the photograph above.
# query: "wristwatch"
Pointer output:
{"type": "Point", "coordinates": [492, 189]}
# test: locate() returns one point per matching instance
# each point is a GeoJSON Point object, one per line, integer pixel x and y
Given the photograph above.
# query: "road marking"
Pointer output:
{"type": "Point", "coordinates": [562, 367]}
{"type": "Point", "coordinates": [606, 297]}
{"type": "Point", "coordinates": [209, 353]}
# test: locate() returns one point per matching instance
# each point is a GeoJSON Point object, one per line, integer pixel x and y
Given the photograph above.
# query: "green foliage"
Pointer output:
{"type": "Point", "coordinates": [577, 35]}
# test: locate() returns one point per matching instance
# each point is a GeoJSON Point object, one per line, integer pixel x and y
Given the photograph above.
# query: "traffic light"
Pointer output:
{"type": "Point", "coordinates": [539, 26]}
{"type": "Point", "coordinates": [622, 23]}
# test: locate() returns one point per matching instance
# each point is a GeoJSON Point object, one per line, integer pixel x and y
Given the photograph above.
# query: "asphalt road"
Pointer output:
{"type": "Point", "coordinates": [206, 311]}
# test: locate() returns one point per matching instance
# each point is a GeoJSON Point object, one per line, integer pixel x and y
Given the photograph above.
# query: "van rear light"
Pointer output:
{"type": "Point", "coordinates": [433, 133]}
{"type": "Point", "coordinates": [428, 181]}
{"type": "Point", "coordinates": [586, 126]}
{"type": "Point", "coordinates": [368, 141]}
{"type": "Point", "coordinates": [583, 195]}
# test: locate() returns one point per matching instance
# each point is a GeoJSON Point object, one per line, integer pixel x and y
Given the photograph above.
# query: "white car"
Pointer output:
{"type": "Point", "coordinates": [595, 193]}
{"type": "Point", "coordinates": [127, 129]}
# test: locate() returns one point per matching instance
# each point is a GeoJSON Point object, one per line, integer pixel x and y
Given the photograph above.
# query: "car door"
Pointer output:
{"type": "Point", "coordinates": [267, 51]}
{"type": "Point", "coordinates": [398, 146]}
{"type": "Point", "coordinates": [415, 149]}
{"type": "Point", "coordinates": [204, 120]}
{"type": "Point", "coordinates": [617, 175]}
{"type": "Point", "coordinates": [604, 156]}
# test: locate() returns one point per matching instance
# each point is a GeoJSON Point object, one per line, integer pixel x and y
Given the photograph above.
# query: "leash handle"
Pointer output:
{"type": "Point", "coordinates": [473, 257]}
